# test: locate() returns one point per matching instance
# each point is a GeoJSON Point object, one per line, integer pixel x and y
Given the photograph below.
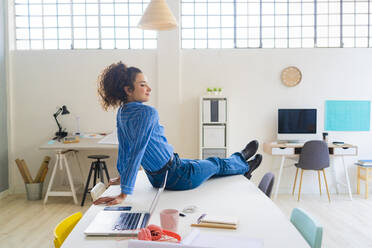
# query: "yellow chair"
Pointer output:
{"type": "Point", "coordinates": [64, 228]}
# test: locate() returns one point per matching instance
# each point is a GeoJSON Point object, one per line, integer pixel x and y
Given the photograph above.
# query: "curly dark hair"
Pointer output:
{"type": "Point", "coordinates": [111, 83]}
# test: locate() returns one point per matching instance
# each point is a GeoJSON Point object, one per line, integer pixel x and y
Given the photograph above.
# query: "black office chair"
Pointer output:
{"type": "Point", "coordinates": [266, 184]}
{"type": "Point", "coordinates": [97, 166]}
{"type": "Point", "coordinates": [314, 156]}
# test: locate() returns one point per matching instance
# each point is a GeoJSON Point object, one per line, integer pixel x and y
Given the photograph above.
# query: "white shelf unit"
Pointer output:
{"type": "Point", "coordinates": [213, 127]}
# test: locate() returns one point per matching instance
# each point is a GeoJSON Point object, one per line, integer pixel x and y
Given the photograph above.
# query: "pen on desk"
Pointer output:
{"type": "Point", "coordinates": [214, 225]}
{"type": "Point", "coordinates": [182, 214]}
{"type": "Point", "coordinates": [200, 218]}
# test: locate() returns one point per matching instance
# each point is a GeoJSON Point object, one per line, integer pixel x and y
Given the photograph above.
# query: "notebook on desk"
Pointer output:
{"type": "Point", "coordinates": [126, 223]}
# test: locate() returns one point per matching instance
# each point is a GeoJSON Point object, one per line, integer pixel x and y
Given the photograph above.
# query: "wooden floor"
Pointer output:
{"type": "Point", "coordinates": [30, 224]}
{"type": "Point", "coordinates": [345, 223]}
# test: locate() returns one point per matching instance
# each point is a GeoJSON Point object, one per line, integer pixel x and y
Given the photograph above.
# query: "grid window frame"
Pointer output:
{"type": "Point", "coordinates": [81, 24]}
{"type": "Point", "coordinates": [283, 24]}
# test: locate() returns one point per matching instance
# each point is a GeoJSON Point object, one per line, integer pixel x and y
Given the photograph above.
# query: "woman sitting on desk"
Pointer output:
{"type": "Point", "coordinates": [142, 141]}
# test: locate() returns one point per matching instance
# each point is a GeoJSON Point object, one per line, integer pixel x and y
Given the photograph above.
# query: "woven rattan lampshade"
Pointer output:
{"type": "Point", "coordinates": [158, 16]}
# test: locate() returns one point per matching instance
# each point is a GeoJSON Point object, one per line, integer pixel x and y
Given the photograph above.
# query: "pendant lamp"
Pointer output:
{"type": "Point", "coordinates": [158, 16]}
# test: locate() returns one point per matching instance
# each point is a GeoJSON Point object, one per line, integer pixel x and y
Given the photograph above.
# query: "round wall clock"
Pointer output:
{"type": "Point", "coordinates": [291, 76]}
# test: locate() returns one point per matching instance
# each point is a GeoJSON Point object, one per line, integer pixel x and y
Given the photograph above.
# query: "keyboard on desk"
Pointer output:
{"type": "Point", "coordinates": [130, 221]}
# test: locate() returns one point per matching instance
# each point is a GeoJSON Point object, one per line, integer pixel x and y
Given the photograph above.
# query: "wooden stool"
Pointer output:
{"type": "Point", "coordinates": [364, 177]}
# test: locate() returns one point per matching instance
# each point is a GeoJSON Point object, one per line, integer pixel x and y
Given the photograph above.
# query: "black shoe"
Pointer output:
{"type": "Point", "coordinates": [253, 164]}
{"type": "Point", "coordinates": [250, 149]}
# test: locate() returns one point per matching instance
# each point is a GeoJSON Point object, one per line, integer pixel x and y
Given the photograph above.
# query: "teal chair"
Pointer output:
{"type": "Point", "coordinates": [308, 227]}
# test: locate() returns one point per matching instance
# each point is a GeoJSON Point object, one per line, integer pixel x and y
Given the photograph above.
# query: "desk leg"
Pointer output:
{"type": "Point", "coordinates": [70, 179]}
{"type": "Point", "coordinates": [347, 178]}
{"type": "Point", "coordinates": [280, 176]}
{"type": "Point", "coordinates": [334, 174]}
{"type": "Point", "coordinates": [52, 177]}
{"type": "Point", "coordinates": [81, 170]}
{"type": "Point", "coordinates": [366, 183]}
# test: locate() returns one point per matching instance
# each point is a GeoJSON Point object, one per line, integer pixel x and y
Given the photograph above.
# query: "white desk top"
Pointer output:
{"type": "Point", "coordinates": [258, 216]}
{"type": "Point", "coordinates": [276, 144]}
{"type": "Point", "coordinates": [83, 144]}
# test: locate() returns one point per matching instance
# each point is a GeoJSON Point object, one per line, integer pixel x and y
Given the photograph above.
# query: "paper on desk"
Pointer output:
{"type": "Point", "coordinates": [153, 244]}
{"type": "Point", "coordinates": [92, 136]}
{"type": "Point", "coordinates": [210, 239]}
{"type": "Point", "coordinates": [111, 139]}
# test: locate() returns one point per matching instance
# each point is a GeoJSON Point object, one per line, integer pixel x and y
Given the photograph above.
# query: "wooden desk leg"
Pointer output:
{"type": "Point", "coordinates": [52, 177]}
{"type": "Point", "coordinates": [347, 178]}
{"type": "Point", "coordinates": [280, 176]}
{"type": "Point", "coordinates": [367, 172]}
{"type": "Point", "coordinates": [358, 180]}
{"type": "Point", "coordinates": [70, 179]}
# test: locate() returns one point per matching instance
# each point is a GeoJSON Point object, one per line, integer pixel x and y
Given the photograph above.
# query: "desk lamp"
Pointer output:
{"type": "Point", "coordinates": [60, 134]}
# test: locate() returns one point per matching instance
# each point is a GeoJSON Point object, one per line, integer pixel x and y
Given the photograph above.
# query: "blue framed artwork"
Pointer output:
{"type": "Point", "coordinates": [347, 115]}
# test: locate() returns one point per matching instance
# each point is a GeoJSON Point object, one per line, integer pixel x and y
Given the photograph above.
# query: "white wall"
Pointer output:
{"type": "Point", "coordinates": [251, 80]}
{"type": "Point", "coordinates": [4, 182]}
{"type": "Point", "coordinates": [43, 80]}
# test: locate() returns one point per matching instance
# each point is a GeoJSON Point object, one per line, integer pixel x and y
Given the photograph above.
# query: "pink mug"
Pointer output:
{"type": "Point", "coordinates": [169, 219]}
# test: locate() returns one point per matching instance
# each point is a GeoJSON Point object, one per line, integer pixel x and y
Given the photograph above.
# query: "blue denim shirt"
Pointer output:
{"type": "Point", "coordinates": [141, 142]}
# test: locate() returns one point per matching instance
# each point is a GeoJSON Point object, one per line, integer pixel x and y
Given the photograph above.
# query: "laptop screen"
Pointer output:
{"type": "Point", "coordinates": [161, 189]}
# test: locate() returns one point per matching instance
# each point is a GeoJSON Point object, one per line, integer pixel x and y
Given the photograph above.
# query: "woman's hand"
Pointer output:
{"type": "Point", "coordinates": [110, 200]}
{"type": "Point", "coordinates": [114, 181]}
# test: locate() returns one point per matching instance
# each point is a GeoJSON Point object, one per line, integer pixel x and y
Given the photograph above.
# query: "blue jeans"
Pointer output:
{"type": "Point", "coordinates": [187, 174]}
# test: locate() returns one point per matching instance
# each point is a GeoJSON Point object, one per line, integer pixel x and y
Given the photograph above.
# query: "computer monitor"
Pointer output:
{"type": "Point", "coordinates": [297, 125]}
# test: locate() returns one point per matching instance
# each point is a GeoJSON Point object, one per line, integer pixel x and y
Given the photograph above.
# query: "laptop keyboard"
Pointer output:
{"type": "Point", "coordinates": [145, 220]}
{"type": "Point", "coordinates": [129, 221]}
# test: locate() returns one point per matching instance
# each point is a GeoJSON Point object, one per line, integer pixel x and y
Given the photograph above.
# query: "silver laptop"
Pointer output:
{"type": "Point", "coordinates": [126, 223]}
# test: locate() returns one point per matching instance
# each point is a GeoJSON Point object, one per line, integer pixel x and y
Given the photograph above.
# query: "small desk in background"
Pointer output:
{"type": "Point", "coordinates": [61, 150]}
{"type": "Point", "coordinates": [291, 150]}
